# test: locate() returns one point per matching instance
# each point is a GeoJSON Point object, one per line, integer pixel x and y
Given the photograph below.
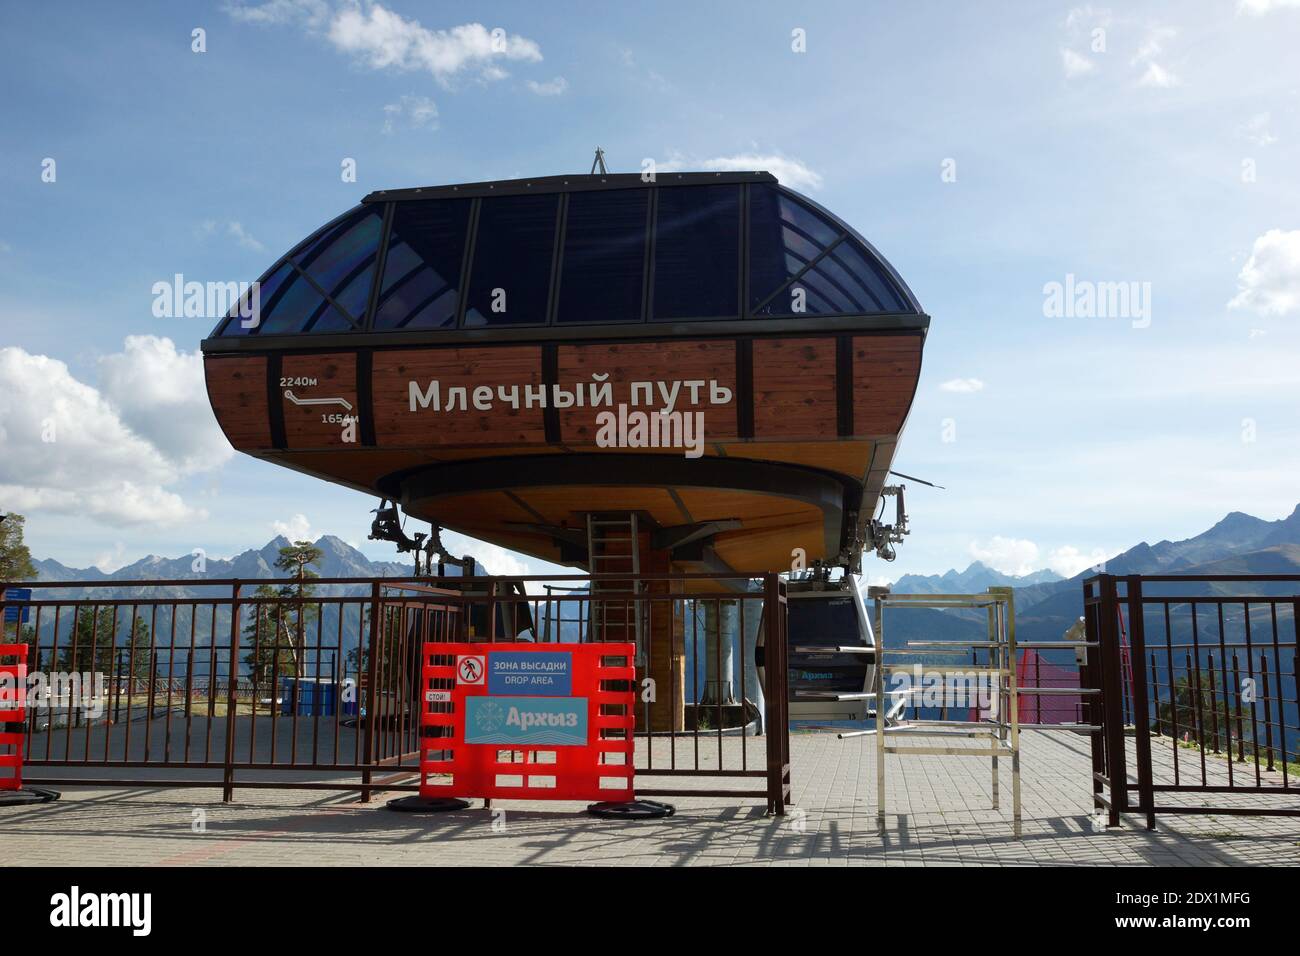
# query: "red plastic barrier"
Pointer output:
{"type": "Point", "coordinates": [13, 709]}
{"type": "Point", "coordinates": [528, 721]}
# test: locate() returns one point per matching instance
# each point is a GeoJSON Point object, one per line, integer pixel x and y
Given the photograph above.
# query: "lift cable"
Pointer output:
{"type": "Point", "coordinates": [922, 481]}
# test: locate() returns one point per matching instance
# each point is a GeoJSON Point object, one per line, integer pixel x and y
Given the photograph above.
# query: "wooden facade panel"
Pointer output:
{"type": "Point", "coordinates": [846, 457]}
{"type": "Point", "coordinates": [468, 368]}
{"type": "Point", "coordinates": [313, 390]}
{"type": "Point", "coordinates": [237, 393]}
{"type": "Point", "coordinates": [566, 504]}
{"type": "Point", "coordinates": [885, 373]}
{"type": "Point", "coordinates": [666, 362]}
{"type": "Point", "coordinates": [794, 388]}
{"type": "Point", "coordinates": [358, 467]}
{"type": "Point", "coordinates": [769, 544]}
{"type": "Point", "coordinates": [748, 506]}
{"type": "Point", "coordinates": [486, 509]}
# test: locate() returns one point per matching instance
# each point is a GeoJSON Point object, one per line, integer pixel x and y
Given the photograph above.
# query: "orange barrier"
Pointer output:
{"type": "Point", "coordinates": [13, 709]}
{"type": "Point", "coordinates": [528, 721]}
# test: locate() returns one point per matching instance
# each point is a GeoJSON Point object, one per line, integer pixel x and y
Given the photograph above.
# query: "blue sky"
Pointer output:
{"type": "Point", "coordinates": [1162, 151]}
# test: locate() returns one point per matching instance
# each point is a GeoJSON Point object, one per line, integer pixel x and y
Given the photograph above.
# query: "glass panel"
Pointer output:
{"type": "Point", "coordinates": [604, 256]}
{"type": "Point", "coordinates": [345, 260]}
{"type": "Point", "coordinates": [814, 301]}
{"type": "Point", "coordinates": [512, 254]}
{"type": "Point", "coordinates": [233, 324]}
{"type": "Point", "coordinates": [770, 264]}
{"type": "Point", "coordinates": [785, 235]}
{"type": "Point", "coordinates": [327, 319]}
{"type": "Point", "coordinates": [858, 299]}
{"type": "Point", "coordinates": [305, 248]}
{"type": "Point", "coordinates": [697, 252]}
{"type": "Point", "coordinates": [422, 270]}
{"type": "Point", "coordinates": [292, 309]}
{"type": "Point", "coordinates": [801, 247]}
{"type": "Point", "coordinates": [815, 282]}
{"type": "Point", "coordinates": [871, 275]}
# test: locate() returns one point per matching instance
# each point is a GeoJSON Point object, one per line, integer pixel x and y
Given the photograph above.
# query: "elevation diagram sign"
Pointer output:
{"type": "Point", "coordinates": [528, 721]}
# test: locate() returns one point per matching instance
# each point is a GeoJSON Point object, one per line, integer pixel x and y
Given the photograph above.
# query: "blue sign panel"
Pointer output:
{"type": "Point", "coordinates": [530, 674]}
{"type": "Point", "coordinates": [531, 721]}
{"type": "Point", "coordinates": [12, 613]}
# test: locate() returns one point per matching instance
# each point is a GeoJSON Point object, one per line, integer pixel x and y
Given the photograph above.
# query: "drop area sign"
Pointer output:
{"type": "Point", "coordinates": [528, 721]}
{"type": "Point", "coordinates": [541, 675]}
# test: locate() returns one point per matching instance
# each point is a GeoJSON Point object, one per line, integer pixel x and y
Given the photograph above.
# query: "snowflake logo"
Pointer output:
{"type": "Point", "coordinates": [491, 716]}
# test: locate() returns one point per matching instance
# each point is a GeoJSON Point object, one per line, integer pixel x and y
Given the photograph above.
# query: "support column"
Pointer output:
{"type": "Point", "coordinates": [719, 652]}
{"type": "Point", "coordinates": [663, 634]}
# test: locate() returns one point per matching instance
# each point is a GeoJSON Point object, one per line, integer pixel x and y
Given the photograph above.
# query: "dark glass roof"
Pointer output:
{"type": "Point", "coordinates": [576, 250]}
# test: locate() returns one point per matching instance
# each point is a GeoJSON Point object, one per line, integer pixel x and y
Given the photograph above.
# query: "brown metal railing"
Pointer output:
{"type": "Point", "coordinates": [1199, 672]}
{"type": "Point", "coordinates": [255, 686]}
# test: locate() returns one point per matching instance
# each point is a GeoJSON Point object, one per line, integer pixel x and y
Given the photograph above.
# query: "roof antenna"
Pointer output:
{"type": "Point", "coordinates": [599, 161]}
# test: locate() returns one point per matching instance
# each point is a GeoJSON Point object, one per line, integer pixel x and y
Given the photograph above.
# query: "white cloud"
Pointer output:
{"type": "Point", "coordinates": [1256, 129]}
{"type": "Point", "coordinates": [550, 88]}
{"type": "Point", "coordinates": [1269, 282]}
{"type": "Point", "coordinates": [297, 528]}
{"type": "Point", "coordinates": [159, 393]}
{"type": "Point", "coordinates": [67, 450]}
{"type": "Point", "coordinates": [1020, 556]}
{"type": "Point", "coordinates": [791, 172]}
{"type": "Point", "coordinates": [234, 230]}
{"type": "Point", "coordinates": [237, 232]}
{"type": "Point", "coordinates": [1088, 16]}
{"type": "Point", "coordinates": [962, 385]}
{"type": "Point", "coordinates": [313, 12]}
{"type": "Point", "coordinates": [1068, 560]}
{"type": "Point", "coordinates": [1085, 25]}
{"type": "Point", "coordinates": [1074, 64]}
{"type": "Point", "coordinates": [1008, 555]}
{"type": "Point", "coordinates": [382, 39]}
{"type": "Point", "coordinates": [1257, 8]}
{"type": "Point", "coordinates": [419, 112]}
{"type": "Point", "coordinates": [1156, 75]}
{"type": "Point", "coordinates": [376, 37]}
{"type": "Point", "coordinates": [110, 561]}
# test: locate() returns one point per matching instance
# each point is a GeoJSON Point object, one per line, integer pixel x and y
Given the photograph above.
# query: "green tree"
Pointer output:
{"type": "Point", "coordinates": [297, 559]}
{"type": "Point", "coordinates": [15, 565]}
{"type": "Point", "coordinates": [15, 559]}
{"type": "Point", "coordinates": [93, 644]}
{"type": "Point", "coordinates": [267, 637]}
{"type": "Point", "coordinates": [90, 645]}
{"type": "Point", "coordinates": [136, 657]}
{"type": "Point", "coordinates": [277, 632]}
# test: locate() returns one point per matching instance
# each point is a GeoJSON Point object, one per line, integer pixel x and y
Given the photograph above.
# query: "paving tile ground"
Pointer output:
{"type": "Point", "coordinates": [938, 813]}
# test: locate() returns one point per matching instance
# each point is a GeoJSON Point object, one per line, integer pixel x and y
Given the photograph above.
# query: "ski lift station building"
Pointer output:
{"type": "Point", "coordinates": [495, 357]}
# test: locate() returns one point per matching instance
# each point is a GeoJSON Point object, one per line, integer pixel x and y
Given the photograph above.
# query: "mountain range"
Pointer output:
{"type": "Point", "coordinates": [339, 560]}
{"type": "Point", "coordinates": [978, 577]}
{"type": "Point", "coordinates": [1046, 604]}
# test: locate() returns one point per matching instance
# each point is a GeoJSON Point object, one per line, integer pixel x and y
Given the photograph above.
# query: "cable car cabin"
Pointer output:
{"type": "Point", "coordinates": [712, 352]}
{"type": "Point", "coordinates": [831, 651]}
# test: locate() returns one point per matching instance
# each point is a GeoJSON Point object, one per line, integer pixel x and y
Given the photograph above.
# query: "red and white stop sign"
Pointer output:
{"type": "Point", "coordinates": [470, 669]}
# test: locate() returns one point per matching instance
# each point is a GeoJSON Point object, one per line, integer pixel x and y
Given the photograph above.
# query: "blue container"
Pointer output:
{"type": "Point", "coordinates": [308, 697]}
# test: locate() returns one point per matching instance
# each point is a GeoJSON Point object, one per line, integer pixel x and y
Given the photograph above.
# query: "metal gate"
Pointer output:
{"type": "Point", "coordinates": [1199, 696]}
{"type": "Point", "coordinates": [254, 684]}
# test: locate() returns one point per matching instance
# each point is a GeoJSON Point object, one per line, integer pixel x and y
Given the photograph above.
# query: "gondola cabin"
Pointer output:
{"type": "Point", "coordinates": [711, 353]}
{"type": "Point", "coordinates": [830, 650]}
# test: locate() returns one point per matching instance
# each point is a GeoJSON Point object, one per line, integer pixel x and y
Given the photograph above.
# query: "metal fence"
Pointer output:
{"type": "Point", "coordinates": [1199, 698]}
{"type": "Point", "coordinates": [258, 684]}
